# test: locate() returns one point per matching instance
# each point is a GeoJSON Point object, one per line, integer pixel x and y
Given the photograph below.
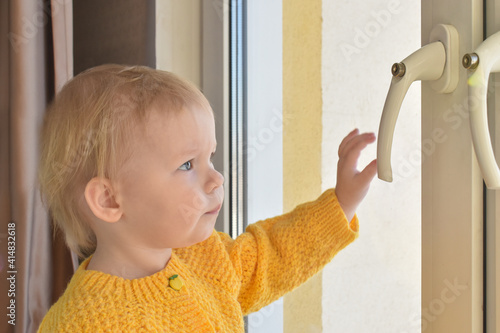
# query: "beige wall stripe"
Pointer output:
{"type": "Point", "coordinates": [302, 135]}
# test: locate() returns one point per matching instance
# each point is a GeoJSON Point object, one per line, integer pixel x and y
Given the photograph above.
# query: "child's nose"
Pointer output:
{"type": "Point", "coordinates": [216, 179]}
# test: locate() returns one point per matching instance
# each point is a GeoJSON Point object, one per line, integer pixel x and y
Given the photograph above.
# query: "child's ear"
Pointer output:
{"type": "Point", "coordinates": [101, 200]}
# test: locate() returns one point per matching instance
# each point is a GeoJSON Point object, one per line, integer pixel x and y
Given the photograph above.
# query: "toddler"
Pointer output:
{"type": "Point", "coordinates": [126, 171]}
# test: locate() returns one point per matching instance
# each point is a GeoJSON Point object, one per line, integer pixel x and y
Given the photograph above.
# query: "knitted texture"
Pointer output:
{"type": "Point", "coordinates": [223, 279]}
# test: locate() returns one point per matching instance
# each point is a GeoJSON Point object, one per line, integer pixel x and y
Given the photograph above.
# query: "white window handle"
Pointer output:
{"type": "Point", "coordinates": [437, 61]}
{"type": "Point", "coordinates": [485, 60]}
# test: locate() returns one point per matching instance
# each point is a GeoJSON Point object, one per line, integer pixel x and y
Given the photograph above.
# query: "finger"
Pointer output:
{"type": "Point", "coordinates": [348, 138]}
{"type": "Point", "coordinates": [353, 148]}
{"type": "Point", "coordinates": [356, 140]}
{"type": "Point", "coordinates": [368, 172]}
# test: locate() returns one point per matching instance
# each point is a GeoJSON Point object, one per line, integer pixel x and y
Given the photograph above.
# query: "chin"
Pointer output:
{"type": "Point", "coordinates": [205, 235]}
{"type": "Point", "coordinates": [202, 233]}
{"type": "Point", "coordinates": [199, 238]}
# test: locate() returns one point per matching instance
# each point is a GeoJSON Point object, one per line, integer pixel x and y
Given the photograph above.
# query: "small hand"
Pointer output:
{"type": "Point", "coordinates": [352, 185]}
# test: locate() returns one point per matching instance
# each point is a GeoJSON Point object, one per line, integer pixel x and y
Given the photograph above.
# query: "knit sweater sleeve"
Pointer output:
{"type": "Point", "coordinates": [276, 255]}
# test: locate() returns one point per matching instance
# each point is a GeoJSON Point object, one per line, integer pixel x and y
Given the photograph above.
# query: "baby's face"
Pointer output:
{"type": "Point", "coordinates": [169, 191]}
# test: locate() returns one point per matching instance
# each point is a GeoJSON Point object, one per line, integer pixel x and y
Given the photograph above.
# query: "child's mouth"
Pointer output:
{"type": "Point", "coordinates": [215, 211]}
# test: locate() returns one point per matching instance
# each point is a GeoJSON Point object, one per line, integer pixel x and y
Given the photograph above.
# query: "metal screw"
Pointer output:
{"type": "Point", "coordinates": [470, 60]}
{"type": "Point", "coordinates": [398, 69]}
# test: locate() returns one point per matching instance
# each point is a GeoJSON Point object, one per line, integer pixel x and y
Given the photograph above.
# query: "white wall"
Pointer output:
{"type": "Point", "coordinates": [374, 284]}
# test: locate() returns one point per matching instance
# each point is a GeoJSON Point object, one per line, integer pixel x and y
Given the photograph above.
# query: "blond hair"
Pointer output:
{"type": "Point", "coordinates": [86, 130]}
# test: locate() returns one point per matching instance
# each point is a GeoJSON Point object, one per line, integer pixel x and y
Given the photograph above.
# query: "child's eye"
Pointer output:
{"type": "Point", "coordinates": [187, 165]}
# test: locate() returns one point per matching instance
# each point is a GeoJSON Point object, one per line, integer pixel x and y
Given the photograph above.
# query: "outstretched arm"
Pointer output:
{"type": "Point", "coordinates": [353, 185]}
{"type": "Point", "coordinates": [278, 254]}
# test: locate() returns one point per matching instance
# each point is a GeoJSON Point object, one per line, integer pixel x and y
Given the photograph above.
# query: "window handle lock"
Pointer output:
{"type": "Point", "coordinates": [438, 62]}
{"type": "Point", "coordinates": [483, 61]}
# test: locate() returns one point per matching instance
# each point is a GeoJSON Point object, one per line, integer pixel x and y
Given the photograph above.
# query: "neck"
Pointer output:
{"type": "Point", "coordinates": [129, 263]}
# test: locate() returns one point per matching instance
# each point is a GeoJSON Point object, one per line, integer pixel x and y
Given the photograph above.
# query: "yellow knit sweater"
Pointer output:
{"type": "Point", "coordinates": [223, 279]}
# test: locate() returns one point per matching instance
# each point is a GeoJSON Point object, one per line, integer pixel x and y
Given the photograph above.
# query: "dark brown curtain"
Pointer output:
{"type": "Point", "coordinates": [113, 31]}
{"type": "Point", "coordinates": [35, 268]}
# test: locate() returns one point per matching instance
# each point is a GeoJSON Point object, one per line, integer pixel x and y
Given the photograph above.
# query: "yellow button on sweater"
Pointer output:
{"type": "Point", "coordinates": [222, 279]}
